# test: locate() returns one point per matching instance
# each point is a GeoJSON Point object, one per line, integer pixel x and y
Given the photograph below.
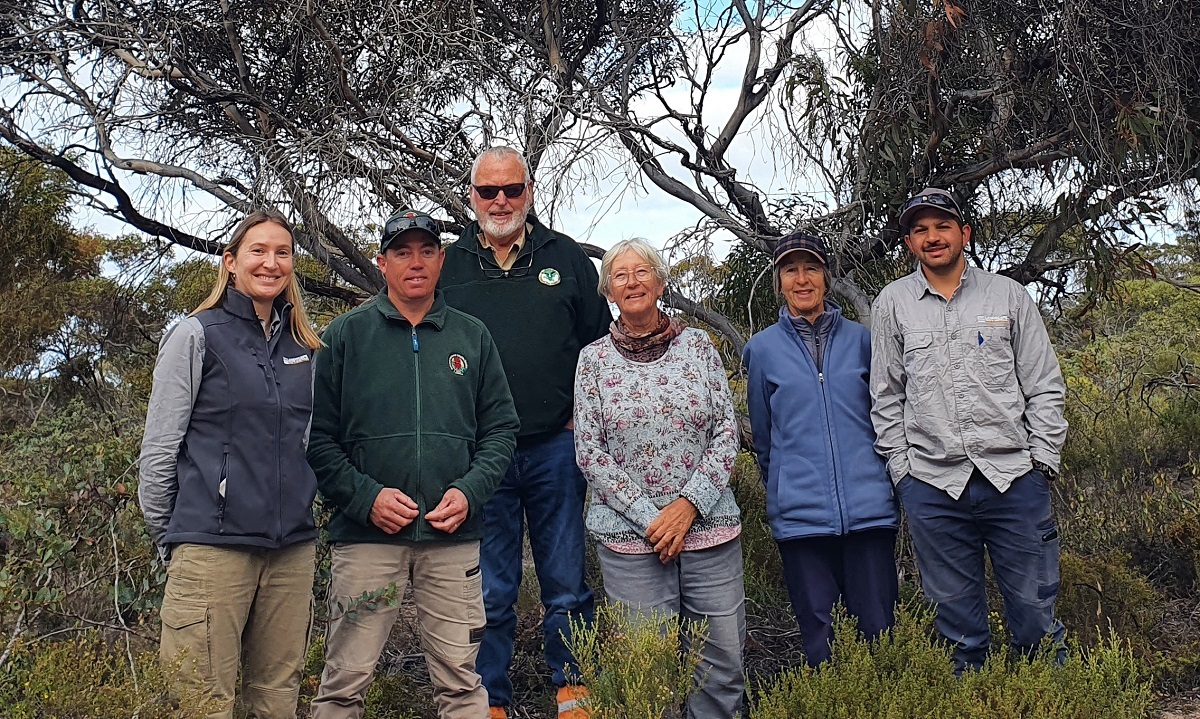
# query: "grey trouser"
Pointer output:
{"type": "Point", "coordinates": [225, 603]}
{"type": "Point", "coordinates": [702, 584]}
{"type": "Point", "coordinates": [448, 593]}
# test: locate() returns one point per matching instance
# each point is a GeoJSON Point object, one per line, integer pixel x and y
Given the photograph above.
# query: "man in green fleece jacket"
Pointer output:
{"type": "Point", "coordinates": [413, 426]}
{"type": "Point", "coordinates": [535, 289]}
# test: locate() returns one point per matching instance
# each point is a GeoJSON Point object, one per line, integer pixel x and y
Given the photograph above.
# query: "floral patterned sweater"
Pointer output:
{"type": "Point", "coordinates": [647, 433]}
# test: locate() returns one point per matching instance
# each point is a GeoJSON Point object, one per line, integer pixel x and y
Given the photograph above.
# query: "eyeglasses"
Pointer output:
{"type": "Point", "coordinates": [495, 272]}
{"type": "Point", "coordinates": [489, 192]}
{"type": "Point", "coordinates": [641, 274]}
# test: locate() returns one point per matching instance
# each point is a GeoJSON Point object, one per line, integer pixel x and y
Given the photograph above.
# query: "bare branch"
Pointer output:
{"type": "Point", "coordinates": [672, 298]}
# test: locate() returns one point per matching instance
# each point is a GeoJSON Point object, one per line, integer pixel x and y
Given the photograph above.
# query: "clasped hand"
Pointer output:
{"type": "Point", "coordinates": [394, 510]}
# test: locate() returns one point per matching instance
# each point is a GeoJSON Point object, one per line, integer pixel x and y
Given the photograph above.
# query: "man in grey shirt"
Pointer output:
{"type": "Point", "coordinates": [968, 412]}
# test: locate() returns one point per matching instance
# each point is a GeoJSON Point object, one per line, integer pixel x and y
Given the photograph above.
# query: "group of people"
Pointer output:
{"type": "Point", "coordinates": [955, 396]}
{"type": "Point", "coordinates": [487, 388]}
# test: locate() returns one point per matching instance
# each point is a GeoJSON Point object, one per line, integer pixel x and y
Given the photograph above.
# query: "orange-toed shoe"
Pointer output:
{"type": "Point", "coordinates": [573, 702]}
{"type": "Point", "coordinates": [497, 713]}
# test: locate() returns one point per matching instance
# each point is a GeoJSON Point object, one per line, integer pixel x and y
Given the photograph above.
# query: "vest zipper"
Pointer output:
{"type": "Point", "coordinates": [262, 367]}
{"type": "Point", "coordinates": [278, 439]}
{"type": "Point", "coordinates": [221, 489]}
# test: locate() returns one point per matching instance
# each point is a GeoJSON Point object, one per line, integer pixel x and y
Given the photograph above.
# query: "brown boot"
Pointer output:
{"type": "Point", "coordinates": [497, 713]}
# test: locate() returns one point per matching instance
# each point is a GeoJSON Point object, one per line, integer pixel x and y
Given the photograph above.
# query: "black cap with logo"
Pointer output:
{"type": "Point", "coordinates": [934, 197]}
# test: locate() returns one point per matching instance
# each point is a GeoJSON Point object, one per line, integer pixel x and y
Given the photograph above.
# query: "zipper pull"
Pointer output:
{"type": "Point", "coordinates": [416, 346]}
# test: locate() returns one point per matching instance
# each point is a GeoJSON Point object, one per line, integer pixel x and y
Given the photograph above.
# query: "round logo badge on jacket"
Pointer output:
{"type": "Point", "coordinates": [458, 364]}
{"type": "Point", "coordinates": [549, 276]}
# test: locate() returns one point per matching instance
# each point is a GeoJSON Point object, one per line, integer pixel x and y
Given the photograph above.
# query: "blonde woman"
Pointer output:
{"type": "Point", "coordinates": [225, 488]}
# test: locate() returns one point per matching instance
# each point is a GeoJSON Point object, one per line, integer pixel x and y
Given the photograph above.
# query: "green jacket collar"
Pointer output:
{"type": "Point", "coordinates": [436, 315]}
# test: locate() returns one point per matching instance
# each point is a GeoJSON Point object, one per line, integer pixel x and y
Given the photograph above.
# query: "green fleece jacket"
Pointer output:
{"type": "Point", "coordinates": [420, 409]}
{"type": "Point", "coordinates": [541, 313]}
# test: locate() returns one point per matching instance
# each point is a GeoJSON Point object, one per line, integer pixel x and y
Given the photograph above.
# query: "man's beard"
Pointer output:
{"type": "Point", "coordinates": [495, 228]}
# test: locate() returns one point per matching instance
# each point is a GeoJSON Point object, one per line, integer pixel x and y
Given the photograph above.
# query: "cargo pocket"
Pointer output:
{"type": "Point", "coordinates": [920, 364]}
{"type": "Point", "coordinates": [474, 585]}
{"type": "Point", "coordinates": [1048, 577]}
{"type": "Point", "coordinates": [185, 638]}
{"type": "Point", "coordinates": [473, 593]}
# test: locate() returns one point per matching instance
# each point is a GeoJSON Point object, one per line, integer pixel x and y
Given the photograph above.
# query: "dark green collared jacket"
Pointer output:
{"type": "Point", "coordinates": [541, 313]}
{"type": "Point", "coordinates": [420, 409]}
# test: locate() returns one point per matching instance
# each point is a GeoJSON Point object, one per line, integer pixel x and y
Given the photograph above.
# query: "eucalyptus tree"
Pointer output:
{"type": "Point", "coordinates": [1064, 127]}
{"type": "Point", "coordinates": [328, 110]}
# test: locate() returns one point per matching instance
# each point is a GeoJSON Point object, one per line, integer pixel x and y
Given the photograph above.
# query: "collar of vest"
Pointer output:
{"type": "Point", "coordinates": [240, 305]}
{"type": "Point", "coordinates": [436, 315]}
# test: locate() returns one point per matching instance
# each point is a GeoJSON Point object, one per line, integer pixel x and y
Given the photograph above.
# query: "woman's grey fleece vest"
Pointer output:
{"type": "Point", "coordinates": [243, 478]}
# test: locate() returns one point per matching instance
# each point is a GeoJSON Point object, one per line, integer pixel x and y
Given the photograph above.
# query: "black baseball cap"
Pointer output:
{"type": "Point", "coordinates": [934, 197]}
{"type": "Point", "coordinates": [404, 220]}
{"type": "Point", "coordinates": [801, 242]}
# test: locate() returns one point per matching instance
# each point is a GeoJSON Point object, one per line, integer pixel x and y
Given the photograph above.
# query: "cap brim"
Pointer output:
{"type": "Point", "coordinates": [907, 215]}
{"type": "Point", "coordinates": [799, 249]}
{"type": "Point", "coordinates": [392, 240]}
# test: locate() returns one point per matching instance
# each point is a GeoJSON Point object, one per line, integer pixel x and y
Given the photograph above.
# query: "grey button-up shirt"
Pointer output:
{"type": "Point", "coordinates": [970, 382]}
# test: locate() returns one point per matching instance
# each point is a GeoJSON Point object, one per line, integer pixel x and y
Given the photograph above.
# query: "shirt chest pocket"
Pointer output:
{"type": "Point", "coordinates": [922, 350]}
{"type": "Point", "coordinates": [995, 354]}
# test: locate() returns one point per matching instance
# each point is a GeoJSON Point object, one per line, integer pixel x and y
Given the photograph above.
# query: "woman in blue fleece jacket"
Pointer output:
{"type": "Point", "coordinates": [829, 500]}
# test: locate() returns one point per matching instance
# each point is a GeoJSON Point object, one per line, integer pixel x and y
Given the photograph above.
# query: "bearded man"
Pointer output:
{"type": "Point", "coordinates": [535, 289]}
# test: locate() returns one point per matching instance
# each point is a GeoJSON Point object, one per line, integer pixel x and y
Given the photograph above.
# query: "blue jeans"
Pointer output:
{"type": "Point", "coordinates": [1018, 531]}
{"type": "Point", "coordinates": [704, 584]}
{"type": "Point", "coordinates": [544, 485]}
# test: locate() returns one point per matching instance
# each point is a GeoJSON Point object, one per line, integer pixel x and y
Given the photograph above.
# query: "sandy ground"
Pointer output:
{"type": "Point", "coordinates": [1186, 706]}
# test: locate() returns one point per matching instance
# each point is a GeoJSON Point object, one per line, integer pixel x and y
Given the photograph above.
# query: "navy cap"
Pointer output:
{"type": "Point", "coordinates": [800, 241]}
{"type": "Point", "coordinates": [934, 197]}
{"type": "Point", "coordinates": [404, 220]}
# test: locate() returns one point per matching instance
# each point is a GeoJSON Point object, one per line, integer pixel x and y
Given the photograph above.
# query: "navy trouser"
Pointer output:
{"type": "Point", "coordinates": [544, 485]}
{"type": "Point", "coordinates": [859, 568]}
{"type": "Point", "coordinates": [1017, 529]}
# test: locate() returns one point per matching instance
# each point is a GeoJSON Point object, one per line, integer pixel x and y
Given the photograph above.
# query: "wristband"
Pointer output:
{"type": "Point", "coordinates": [1045, 469]}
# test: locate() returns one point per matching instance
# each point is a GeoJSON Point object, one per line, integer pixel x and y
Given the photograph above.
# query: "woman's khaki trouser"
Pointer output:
{"type": "Point", "coordinates": [229, 606]}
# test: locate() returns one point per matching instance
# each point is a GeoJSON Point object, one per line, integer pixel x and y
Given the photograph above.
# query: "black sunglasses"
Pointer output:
{"type": "Point", "coordinates": [937, 200]}
{"type": "Point", "coordinates": [406, 220]}
{"type": "Point", "coordinates": [517, 270]}
{"type": "Point", "coordinates": [489, 192]}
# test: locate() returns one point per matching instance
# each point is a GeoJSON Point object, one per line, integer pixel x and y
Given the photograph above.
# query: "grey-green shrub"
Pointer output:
{"type": "Point", "coordinates": [636, 668]}
{"type": "Point", "coordinates": [908, 673]}
{"type": "Point", "coordinates": [87, 677]}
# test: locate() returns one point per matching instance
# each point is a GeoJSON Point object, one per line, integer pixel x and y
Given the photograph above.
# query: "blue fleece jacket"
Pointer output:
{"type": "Point", "coordinates": [813, 432]}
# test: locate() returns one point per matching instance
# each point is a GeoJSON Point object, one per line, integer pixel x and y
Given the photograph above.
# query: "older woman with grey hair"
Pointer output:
{"type": "Point", "coordinates": [829, 501]}
{"type": "Point", "coordinates": [656, 439]}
